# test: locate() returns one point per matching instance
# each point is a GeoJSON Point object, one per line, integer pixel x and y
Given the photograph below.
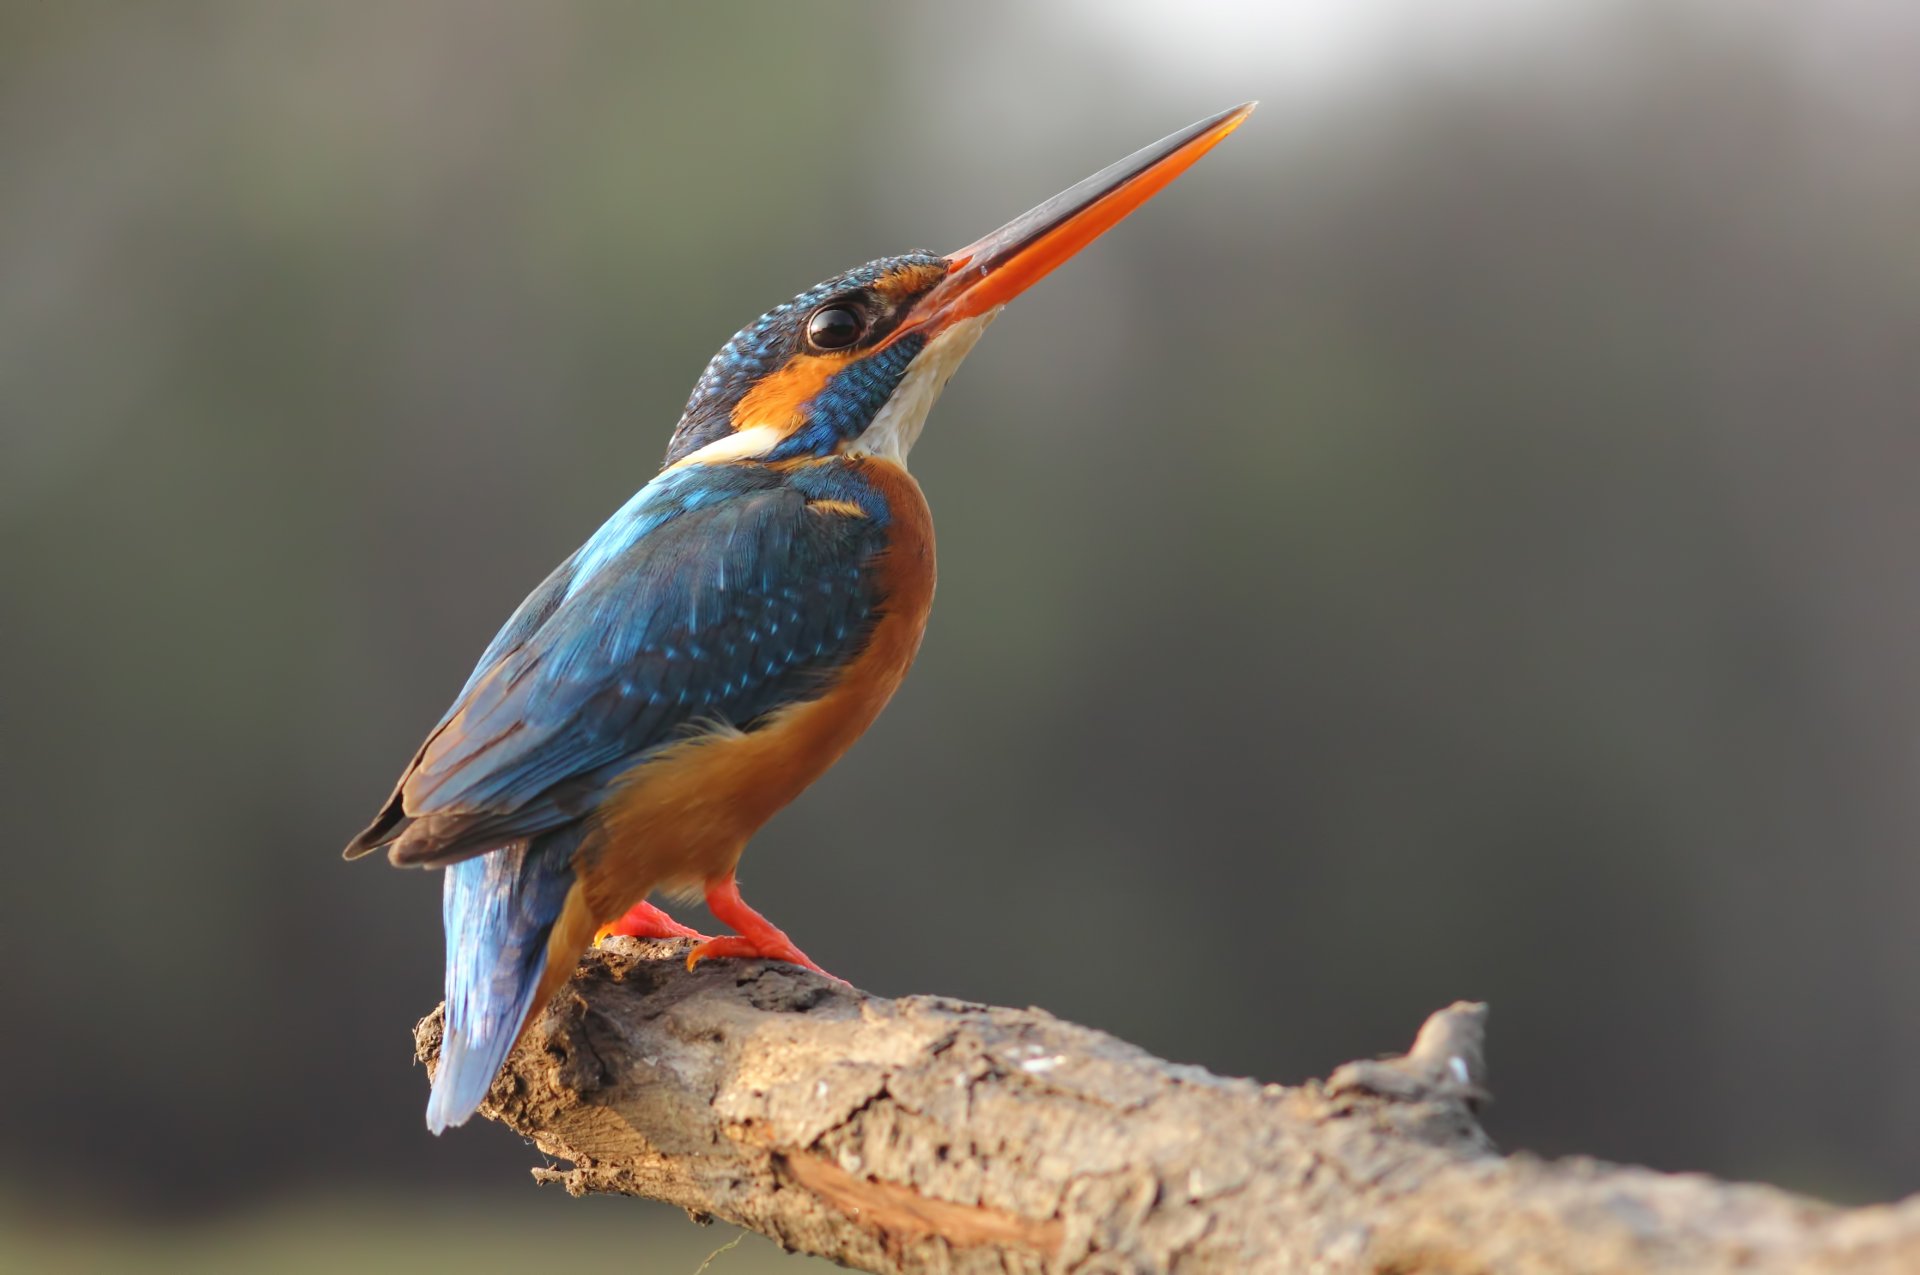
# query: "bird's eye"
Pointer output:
{"type": "Point", "coordinates": [834, 328]}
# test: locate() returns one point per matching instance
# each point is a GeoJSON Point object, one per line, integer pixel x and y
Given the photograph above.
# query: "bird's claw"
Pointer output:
{"type": "Point", "coordinates": [645, 921]}
{"type": "Point", "coordinates": [766, 949]}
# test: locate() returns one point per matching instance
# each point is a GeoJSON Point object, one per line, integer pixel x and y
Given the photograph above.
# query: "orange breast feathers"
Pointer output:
{"type": "Point", "coordinates": [684, 817]}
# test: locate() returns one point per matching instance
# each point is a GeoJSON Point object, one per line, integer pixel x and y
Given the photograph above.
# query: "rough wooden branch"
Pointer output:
{"type": "Point", "coordinates": [925, 1134]}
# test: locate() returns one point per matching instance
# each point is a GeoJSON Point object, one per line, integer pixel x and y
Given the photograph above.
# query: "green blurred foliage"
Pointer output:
{"type": "Point", "coordinates": [1458, 542]}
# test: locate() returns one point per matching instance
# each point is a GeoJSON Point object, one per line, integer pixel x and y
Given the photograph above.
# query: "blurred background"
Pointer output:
{"type": "Point", "coordinates": [1458, 542]}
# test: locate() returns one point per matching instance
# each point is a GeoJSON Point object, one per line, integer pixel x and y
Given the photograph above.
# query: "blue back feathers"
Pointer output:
{"type": "Point", "coordinates": [715, 596]}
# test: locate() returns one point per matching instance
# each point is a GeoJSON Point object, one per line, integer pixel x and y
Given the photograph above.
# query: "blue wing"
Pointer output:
{"type": "Point", "coordinates": [715, 596]}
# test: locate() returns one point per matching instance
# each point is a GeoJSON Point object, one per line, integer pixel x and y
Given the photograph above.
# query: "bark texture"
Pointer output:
{"type": "Point", "coordinates": [925, 1134]}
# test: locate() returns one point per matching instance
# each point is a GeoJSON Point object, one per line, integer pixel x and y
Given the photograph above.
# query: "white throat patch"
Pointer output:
{"type": "Point", "coordinates": [897, 427]}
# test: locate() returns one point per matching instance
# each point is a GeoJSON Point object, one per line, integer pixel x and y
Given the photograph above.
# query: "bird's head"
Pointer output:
{"type": "Point", "coordinates": [855, 363]}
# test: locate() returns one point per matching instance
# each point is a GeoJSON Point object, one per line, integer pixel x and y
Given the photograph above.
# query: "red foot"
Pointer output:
{"type": "Point", "coordinates": [645, 921]}
{"type": "Point", "coordinates": [756, 937]}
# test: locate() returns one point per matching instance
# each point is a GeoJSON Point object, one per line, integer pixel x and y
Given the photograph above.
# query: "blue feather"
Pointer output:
{"type": "Point", "coordinates": [592, 675]}
{"type": "Point", "coordinates": [499, 909]}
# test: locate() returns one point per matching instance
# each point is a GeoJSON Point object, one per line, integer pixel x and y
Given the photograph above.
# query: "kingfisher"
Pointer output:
{"type": "Point", "coordinates": [720, 641]}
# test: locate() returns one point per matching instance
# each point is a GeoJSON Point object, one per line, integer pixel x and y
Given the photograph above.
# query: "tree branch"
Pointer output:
{"type": "Point", "coordinates": [925, 1134]}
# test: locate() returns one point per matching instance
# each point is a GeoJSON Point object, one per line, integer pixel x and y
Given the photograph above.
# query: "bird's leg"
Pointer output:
{"type": "Point", "coordinates": [754, 934]}
{"type": "Point", "coordinates": [645, 921]}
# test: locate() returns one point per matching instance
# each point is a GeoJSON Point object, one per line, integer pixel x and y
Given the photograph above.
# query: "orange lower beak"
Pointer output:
{"type": "Point", "coordinates": [993, 271]}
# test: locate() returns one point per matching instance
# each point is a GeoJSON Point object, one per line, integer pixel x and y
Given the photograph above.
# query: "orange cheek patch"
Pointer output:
{"type": "Point", "coordinates": [778, 398]}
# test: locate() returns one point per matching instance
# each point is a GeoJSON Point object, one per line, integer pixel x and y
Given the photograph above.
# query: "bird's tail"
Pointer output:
{"type": "Point", "coordinates": [501, 909]}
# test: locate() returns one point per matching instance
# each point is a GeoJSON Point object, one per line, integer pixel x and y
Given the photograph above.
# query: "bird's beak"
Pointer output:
{"type": "Point", "coordinates": [990, 272]}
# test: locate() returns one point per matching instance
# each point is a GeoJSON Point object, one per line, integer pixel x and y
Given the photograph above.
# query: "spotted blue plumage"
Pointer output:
{"type": "Point", "coordinates": [715, 596]}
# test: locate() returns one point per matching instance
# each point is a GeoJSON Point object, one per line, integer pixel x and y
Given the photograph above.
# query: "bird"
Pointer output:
{"type": "Point", "coordinates": [719, 642]}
